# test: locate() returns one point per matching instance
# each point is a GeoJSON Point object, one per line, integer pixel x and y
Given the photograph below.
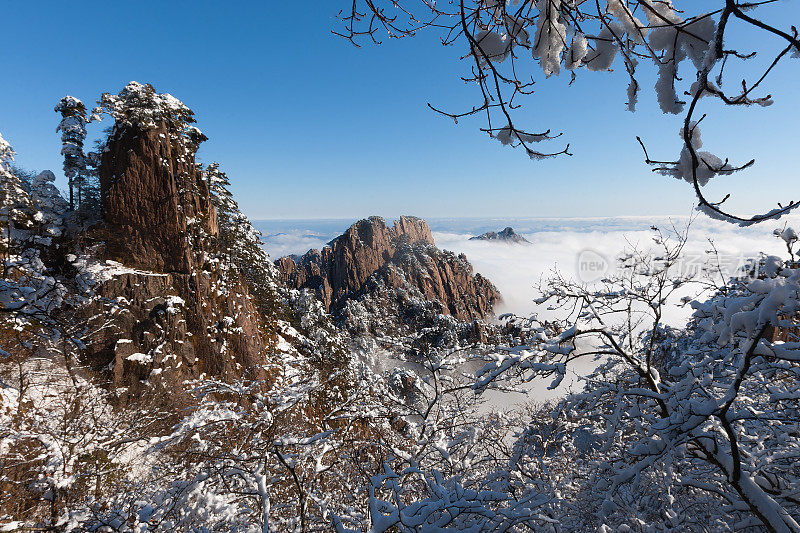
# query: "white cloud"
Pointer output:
{"type": "Point", "coordinates": [556, 244]}
{"type": "Point", "coordinates": [295, 242]}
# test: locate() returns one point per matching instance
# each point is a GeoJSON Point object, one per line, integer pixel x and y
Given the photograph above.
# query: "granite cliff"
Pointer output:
{"type": "Point", "coordinates": [164, 301]}
{"type": "Point", "coordinates": [371, 256]}
{"type": "Point", "coordinates": [171, 283]}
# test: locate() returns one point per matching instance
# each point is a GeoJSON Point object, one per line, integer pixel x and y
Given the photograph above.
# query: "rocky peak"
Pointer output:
{"type": "Point", "coordinates": [412, 230]}
{"type": "Point", "coordinates": [160, 228]}
{"type": "Point", "coordinates": [370, 254]}
{"type": "Point", "coordinates": [346, 263]}
{"type": "Point", "coordinates": [507, 235]}
{"type": "Point", "coordinates": [373, 232]}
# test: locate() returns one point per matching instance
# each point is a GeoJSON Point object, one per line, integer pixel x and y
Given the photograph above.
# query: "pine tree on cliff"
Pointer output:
{"type": "Point", "coordinates": [222, 199]}
{"type": "Point", "coordinates": [194, 138]}
{"type": "Point", "coordinates": [240, 241]}
{"type": "Point", "coordinates": [140, 105]}
{"type": "Point", "coordinates": [91, 203]}
{"type": "Point", "coordinates": [14, 200]}
{"type": "Point", "coordinates": [73, 134]}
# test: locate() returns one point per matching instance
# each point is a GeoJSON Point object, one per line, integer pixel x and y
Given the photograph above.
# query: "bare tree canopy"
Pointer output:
{"type": "Point", "coordinates": [509, 42]}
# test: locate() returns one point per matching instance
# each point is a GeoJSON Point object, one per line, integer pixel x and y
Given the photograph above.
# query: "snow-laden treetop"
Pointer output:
{"type": "Point", "coordinates": [141, 106]}
{"type": "Point", "coordinates": [69, 105]}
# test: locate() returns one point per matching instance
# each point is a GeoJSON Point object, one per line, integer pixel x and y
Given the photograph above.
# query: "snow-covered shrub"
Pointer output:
{"type": "Point", "coordinates": [141, 106]}
{"type": "Point", "coordinates": [687, 429]}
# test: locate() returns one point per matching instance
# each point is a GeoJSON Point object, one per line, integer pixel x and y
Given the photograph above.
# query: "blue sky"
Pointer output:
{"type": "Point", "coordinates": [308, 126]}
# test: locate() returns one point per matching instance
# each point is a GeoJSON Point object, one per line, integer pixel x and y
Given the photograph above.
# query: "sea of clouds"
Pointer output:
{"type": "Point", "coordinates": [587, 249]}
{"type": "Point", "coordinates": [584, 249]}
{"type": "Point", "coordinates": [581, 248]}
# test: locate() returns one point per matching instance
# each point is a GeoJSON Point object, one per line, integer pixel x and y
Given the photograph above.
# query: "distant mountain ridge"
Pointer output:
{"type": "Point", "coordinates": [507, 235]}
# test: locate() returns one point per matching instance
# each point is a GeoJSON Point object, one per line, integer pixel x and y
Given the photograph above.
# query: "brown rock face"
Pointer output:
{"type": "Point", "coordinates": [146, 321]}
{"type": "Point", "coordinates": [412, 230]}
{"type": "Point", "coordinates": [168, 305]}
{"type": "Point", "coordinates": [342, 267]}
{"type": "Point", "coordinates": [151, 193]}
{"type": "Point", "coordinates": [443, 277]}
{"type": "Point", "coordinates": [399, 257]}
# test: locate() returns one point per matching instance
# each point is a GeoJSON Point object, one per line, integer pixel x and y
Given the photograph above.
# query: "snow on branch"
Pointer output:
{"type": "Point", "coordinates": [508, 42]}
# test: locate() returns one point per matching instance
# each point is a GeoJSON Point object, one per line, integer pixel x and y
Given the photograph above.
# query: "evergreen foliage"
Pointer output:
{"type": "Point", "coordinates": [240, 242]}
{"type": "Point", "coordinates": [15, 201]}
{"type": "Point", "coordinates": [73, 135]}
{"type": "Point", "coordinates": [141, 106]}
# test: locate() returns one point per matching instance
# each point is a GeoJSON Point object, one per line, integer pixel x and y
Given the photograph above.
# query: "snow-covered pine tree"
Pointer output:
{"type": "Point", "coordinates": [240, 241]}
{"type": "Point", "coordinates": [140, 105]}
{"type": "Point", "coordinates": [91, 204]}
{"type": "Point", "coordinates": [195, 138]}
{"type": "Point", "coordinates": [73, 134]}
{"type": "Point", "coordinates": [49, 203]}
{"type": "Point", "coordinates": [221, 197]}
{"type": "Point", "coordinates": [13, 199]}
